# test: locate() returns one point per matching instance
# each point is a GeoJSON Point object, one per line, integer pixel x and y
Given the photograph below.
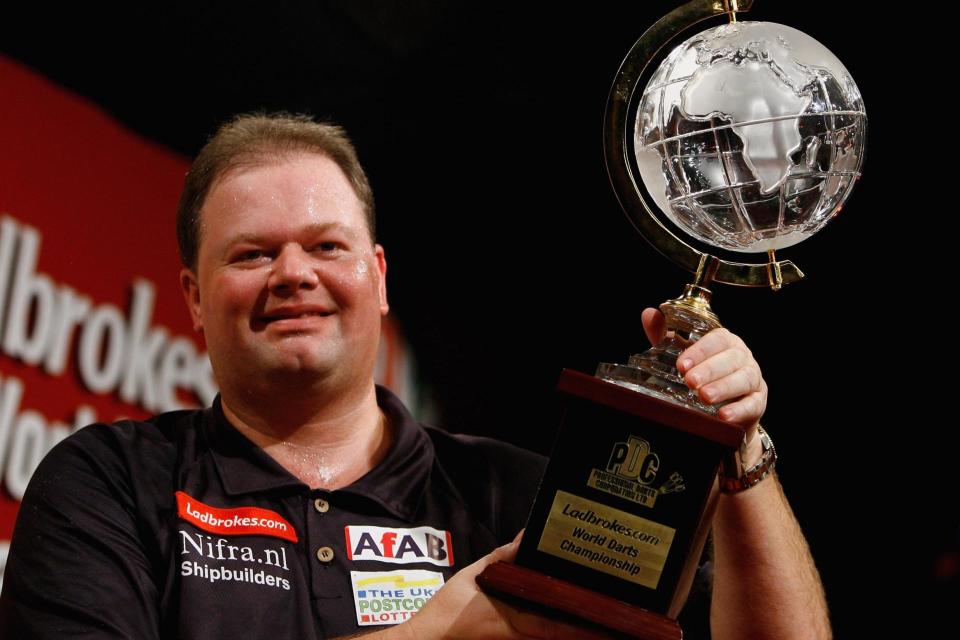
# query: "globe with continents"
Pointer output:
{"type": "Point", "coordinates": [749, 136]}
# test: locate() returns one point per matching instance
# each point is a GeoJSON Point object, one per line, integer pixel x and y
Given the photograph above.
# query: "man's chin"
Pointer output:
{"type": "Point", "coordinates": [303, 366]}
{"type": "Point", "coordinates": [298, 364]}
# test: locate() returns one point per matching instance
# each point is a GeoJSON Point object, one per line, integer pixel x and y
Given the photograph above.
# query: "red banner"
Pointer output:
{"type": "Point", "coordinates": [92, 322]}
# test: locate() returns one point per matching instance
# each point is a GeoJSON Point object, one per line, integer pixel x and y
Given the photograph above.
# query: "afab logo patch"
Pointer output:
{"type": "Point", "coordinates": [399, 546]}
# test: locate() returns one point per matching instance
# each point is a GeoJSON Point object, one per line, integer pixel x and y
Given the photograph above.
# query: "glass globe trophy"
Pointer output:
{"type": "Point", "coordinates": [748, 137]}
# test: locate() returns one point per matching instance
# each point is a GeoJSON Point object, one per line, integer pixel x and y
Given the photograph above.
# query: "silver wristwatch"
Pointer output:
{"type": "Point", "coordinates": [734, 482]}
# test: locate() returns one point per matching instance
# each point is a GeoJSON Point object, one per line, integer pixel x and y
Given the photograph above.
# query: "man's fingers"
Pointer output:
{"type": "Point", "coordinates": [717, 341]}
{"type": "Point", "coordinates": [724, 377]}
{"type": "Point", "coordinates": [721, 368]}
{"type": "Point", "coordinates": [746, 411]}
{"type": "Point", "coordinates": [653, 325]}
{"type": "Point", "coordinates": [717, 368]}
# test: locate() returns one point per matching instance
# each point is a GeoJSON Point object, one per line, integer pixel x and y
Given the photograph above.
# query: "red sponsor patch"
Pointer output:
{"type": "Point", "coordinates": [239, 521]}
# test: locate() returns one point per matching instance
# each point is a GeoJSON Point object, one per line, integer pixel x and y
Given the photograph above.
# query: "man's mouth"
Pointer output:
{"type": "Point", "coordinates": [294, 315]}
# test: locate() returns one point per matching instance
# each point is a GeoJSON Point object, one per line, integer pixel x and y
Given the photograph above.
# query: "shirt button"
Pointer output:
{"type": "Point", "coordinates": [324, 554]}
{"type": "Point", "coordinates": [321, 505]}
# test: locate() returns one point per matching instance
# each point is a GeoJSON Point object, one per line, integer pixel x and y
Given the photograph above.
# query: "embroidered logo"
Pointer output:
{"type": "Point", "coordinates": [237, 521]}
{"type": "Point", "coordinates": [399, 546]}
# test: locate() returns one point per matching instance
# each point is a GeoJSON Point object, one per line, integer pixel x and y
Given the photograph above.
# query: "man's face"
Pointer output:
{"type": "Point", "coordinates": [287, 279]}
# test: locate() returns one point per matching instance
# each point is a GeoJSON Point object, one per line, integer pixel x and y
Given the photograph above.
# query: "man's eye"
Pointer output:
{"type": "Point", "coordinates": [328, 246]}
{"type": "Point", "coordinates": [250, 256]}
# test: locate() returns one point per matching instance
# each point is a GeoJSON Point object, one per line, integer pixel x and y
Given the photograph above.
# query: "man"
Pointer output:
{"type": "Point", "coordinates": [306, 502]}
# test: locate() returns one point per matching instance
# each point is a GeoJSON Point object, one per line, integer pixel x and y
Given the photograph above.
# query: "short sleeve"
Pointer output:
{"type": "Point", "coordinates": [77, 566]}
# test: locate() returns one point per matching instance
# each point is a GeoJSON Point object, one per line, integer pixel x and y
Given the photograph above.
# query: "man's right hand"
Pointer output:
{"type": "Point", "coordinates": [460, 609]}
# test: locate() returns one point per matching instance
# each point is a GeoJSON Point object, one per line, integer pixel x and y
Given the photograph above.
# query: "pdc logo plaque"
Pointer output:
{"type": "Point", "coordinates": [631, 472]}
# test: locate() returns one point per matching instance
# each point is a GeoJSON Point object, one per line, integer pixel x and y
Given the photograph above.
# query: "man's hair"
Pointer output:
{"type": "Point", "coordinates": [258, 138]}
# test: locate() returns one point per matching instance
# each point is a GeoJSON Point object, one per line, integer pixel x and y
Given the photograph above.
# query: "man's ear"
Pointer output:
{"type": "Point", "coordinates": [191, 295]}
{"type": "Point", "coordinates": [381, 259]}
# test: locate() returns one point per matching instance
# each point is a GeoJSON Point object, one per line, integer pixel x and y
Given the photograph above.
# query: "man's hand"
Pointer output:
{"type": "Point", "coordinates": [720, 367]}
{"type": "Point", "coordinates": [461, 610]}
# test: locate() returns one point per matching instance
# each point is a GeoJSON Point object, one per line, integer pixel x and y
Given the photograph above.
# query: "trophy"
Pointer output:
{"type": "Point", "coordinates": [748, 137]}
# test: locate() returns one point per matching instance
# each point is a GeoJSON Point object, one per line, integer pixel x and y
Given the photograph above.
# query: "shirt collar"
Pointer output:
{"type": "Point", "coordinates": [396, 484]}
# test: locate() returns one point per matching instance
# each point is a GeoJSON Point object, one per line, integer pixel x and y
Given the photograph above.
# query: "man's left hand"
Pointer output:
{"type": "Point", "coordinates": [720, 367]}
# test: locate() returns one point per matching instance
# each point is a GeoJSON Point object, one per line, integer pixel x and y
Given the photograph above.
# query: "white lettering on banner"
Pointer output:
{"type": "Point", "coordinates": [40, 318]}
{"type": "Point", "coordinates": [4, 552]}
{"type": "Point", "coordinates": [43, 322]}
{"type": "Point", "coordinates": [176, 369]}
{"type": "Point", "coordinates": [399, 546]}
{"type": "Point", "coordinates": [145, 345]}
{"type": "Point", "coordinates": [26, 451]}
{"type": "Point", "coordinates": [101, 349]}
{"type": "Point", "coordinates": [8, 235]}
{"type": "Point", "coordinates": [25, 437]}
{"type": "Point", "coordinates": [31, 291]}
{"type": "Point", "coordinates": [71, 310]}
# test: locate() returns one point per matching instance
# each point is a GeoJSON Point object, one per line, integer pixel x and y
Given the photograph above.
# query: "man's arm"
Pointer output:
{"type": "Point", "coordinates": [765, 582]}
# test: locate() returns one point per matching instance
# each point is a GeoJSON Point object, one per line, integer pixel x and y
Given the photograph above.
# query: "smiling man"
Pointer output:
{"type": "Point", "coordinates": [289, 288]}
{"type": "Point", "coordinates": [307, 502]}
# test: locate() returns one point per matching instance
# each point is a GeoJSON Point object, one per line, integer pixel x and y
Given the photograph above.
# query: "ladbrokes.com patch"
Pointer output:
{"type": "Point", "coordinates": [237, 521]}
{"type": "Point", "coordinates": [391, 597]}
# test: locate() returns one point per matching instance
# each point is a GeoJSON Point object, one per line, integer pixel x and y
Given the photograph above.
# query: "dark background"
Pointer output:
{"type": "Point", "coordinates": [510, 258]}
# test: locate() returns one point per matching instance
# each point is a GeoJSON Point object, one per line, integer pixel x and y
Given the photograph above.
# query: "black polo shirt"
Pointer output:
{"type": "Point", "coordinates": [182, 527]}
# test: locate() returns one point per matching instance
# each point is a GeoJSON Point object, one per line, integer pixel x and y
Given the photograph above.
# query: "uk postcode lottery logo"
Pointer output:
{"type": "Point", "coordinates": [391, 597]}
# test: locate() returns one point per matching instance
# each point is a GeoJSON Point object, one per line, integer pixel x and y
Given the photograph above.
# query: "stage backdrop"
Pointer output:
{"type": "Point", "coordinates": [92, 323]}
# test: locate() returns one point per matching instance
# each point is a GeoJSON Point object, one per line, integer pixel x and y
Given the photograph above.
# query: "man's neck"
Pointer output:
{"type": "Point", "coordinates": [327, 444]}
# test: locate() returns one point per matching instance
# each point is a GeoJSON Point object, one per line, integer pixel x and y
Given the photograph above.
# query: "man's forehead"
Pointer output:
{"type": "Point", "coordinates": [315, 164]}
{"type": "Point", "coordinates": [272, 181]}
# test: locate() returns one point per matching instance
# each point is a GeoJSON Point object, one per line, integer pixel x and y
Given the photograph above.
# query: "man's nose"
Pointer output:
{"type": "Point", "coordinates": [293, 269]}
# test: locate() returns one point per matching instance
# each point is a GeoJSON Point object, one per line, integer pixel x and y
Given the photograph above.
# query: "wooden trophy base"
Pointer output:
{"type": "Point", "coordinates": [532, 586]}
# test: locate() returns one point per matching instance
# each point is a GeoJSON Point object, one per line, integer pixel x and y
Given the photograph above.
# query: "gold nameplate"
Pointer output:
{"type": "Point", "coordinates": [605, 539]}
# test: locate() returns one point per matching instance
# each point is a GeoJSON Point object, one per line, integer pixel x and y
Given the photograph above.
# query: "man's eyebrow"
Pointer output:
{"type": "Point", "coordinates": [313, 230]}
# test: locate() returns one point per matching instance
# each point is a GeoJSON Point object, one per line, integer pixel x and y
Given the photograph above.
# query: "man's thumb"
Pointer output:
{"type": "Point", "coordinates": [508, 552]}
